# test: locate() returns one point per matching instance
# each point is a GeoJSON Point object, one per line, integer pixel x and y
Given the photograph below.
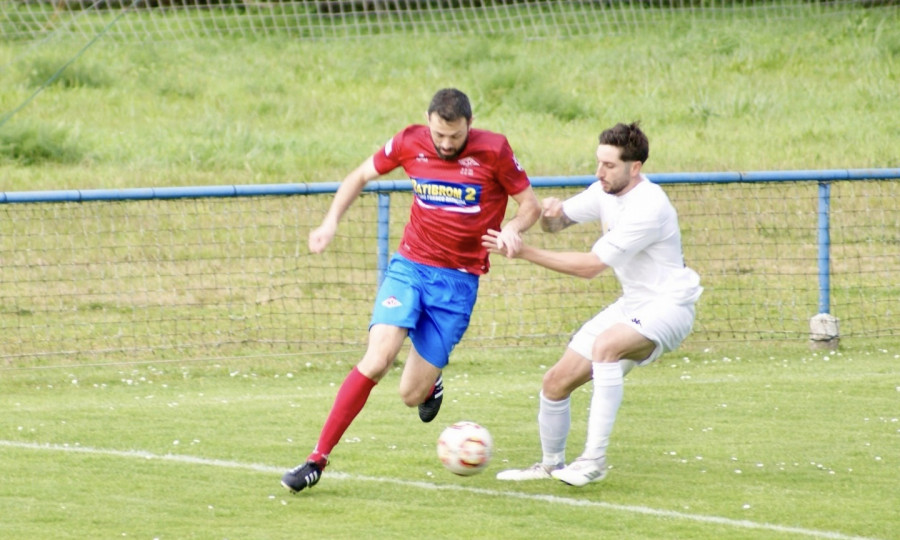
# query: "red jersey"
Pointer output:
{"type": "Point", "coordinates": [454, 202]}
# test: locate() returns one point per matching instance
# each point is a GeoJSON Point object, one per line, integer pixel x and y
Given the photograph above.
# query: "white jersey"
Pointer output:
{"type": "Point", "coordinates": [641, 241]}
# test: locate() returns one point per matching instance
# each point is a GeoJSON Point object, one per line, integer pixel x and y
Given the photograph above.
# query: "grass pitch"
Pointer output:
{"type": "Point", "coordinates": [777, 443]}
{"type": "Point", "coordinates": [737, 442]}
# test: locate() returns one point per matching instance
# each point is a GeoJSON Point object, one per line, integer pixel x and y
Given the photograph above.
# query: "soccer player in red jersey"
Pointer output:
{"type": "Point", "coordinates": [462, 181]}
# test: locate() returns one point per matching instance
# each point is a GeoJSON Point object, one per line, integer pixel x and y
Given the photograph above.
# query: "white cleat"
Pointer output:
{"type": "Point", "coordinates": [582, 471]}
{"type": "Point", "coordinates": [538, 471]}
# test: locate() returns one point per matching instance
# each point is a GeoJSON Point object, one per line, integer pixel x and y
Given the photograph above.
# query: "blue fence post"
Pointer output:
{"type": "Point", "coordinates": [824, 241]}
{"type": "Point", "coordinates": [384, 221]}
{"type": "Point", "coordinates": [823, 328]}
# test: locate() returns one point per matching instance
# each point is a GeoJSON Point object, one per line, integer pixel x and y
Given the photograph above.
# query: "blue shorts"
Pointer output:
{"type": "Point", "coordinates": [434, 304]}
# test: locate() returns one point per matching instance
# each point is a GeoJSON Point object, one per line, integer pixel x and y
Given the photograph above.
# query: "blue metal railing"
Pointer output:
{"type": "Point", "coordinates": [255, 190]}
{"type": "Point", "coordinates": [383, 187]}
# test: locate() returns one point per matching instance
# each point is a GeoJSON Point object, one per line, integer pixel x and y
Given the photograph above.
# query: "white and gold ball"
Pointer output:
{"type": "Point", "coordinates": [465, 448]}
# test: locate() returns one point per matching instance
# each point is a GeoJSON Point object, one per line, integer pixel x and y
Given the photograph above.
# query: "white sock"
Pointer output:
{"type": "Point", "coordinates": [554, 420]}
{"type": "Point", "coordinates": [609, 389]}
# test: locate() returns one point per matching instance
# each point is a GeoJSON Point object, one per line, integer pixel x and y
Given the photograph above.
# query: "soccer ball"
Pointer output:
{"type": "Point", "coordinates": [465, 448]}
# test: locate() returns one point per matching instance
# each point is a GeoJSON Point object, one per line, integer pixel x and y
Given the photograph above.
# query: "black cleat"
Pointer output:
{"type": "Point", "coordinates": [302, 476]}
{"type": "Point", "coordinates": [428, 410]}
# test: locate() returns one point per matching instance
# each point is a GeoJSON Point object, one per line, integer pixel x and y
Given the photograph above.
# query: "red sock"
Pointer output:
{"type": "Point", "coordinates": [351, 398]}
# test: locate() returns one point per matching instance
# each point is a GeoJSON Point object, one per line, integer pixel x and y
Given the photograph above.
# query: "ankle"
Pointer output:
{"type": "Point", "coordinates": [321, 460]}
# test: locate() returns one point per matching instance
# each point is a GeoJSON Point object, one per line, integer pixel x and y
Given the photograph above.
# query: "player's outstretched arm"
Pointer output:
{"type": "Point", "coordinates": [351, 186]}
{"type": "Point", "coordinates": [579, 264]}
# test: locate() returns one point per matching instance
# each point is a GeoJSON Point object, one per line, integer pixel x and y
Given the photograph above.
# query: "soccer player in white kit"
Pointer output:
{"type": "Point", "coordinates": [641, 242]}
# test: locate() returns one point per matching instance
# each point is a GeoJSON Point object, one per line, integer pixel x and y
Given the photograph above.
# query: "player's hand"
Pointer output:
{"type": "Point", "coordinates": [507, 242]}
{"type": "Point", "coordinates": [320, 237]}
{"type": "Point", "coordinates": [551, 207]}
{"type": "Point", "coordinates": [490, 242]}
{"type": "Point", "coordinates": [552, 216]}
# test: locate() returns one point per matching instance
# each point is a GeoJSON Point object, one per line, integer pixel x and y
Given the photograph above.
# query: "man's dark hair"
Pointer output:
{"type": "Point", "coordinates": [630, 138]}
{"type": "Point", "coordinates": [451, 105]}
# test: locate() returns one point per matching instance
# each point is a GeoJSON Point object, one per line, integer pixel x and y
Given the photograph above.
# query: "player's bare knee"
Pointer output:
{"type": "Point", "coordinates": [606, 352]}
{"type": "Point", "coordinates": [374, 366]}
{"type": "Point", "coordinates": [553, 387]}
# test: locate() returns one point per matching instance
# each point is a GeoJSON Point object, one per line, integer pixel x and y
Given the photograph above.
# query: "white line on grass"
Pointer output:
{"type": "Point", "coordinates": [552, 499]}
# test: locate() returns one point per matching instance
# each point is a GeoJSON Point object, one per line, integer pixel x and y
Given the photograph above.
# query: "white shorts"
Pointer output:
{"type": "Point", "coordinates": [664, 323]}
